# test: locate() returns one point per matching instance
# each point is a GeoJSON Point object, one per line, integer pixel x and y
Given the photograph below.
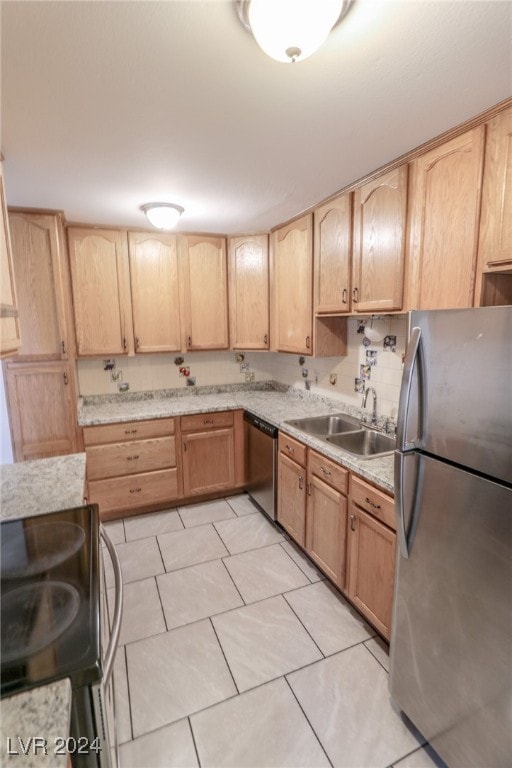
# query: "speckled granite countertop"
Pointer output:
{"type": "Point", "coordinates": [274, 404]}
{"type": "Point", "coordinates": [40, 486]}
{"type": "Point", "coordinates": [35, 488]}
{"type": "Point", "coordinates": [43, 712]}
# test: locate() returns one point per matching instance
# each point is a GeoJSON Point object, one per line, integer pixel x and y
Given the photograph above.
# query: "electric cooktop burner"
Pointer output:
{"type": "Point", "coordinates": [35, 615]}
{"type": "Point", "coordinates": [50, 599]}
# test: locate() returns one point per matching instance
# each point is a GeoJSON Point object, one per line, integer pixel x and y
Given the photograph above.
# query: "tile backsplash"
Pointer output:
{"type": "Point", "coordinates": [383, 366]}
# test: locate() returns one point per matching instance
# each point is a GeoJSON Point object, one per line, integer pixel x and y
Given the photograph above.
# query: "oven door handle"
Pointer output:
{"type": "Point", "coordinates": [118, 607]}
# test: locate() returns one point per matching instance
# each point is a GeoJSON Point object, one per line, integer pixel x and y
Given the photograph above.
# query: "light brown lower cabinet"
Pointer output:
{"type": "Point", "coordinates": [131, 465]}
{"type": "Point", "coordinates": [371, 554]}
{"type": "Point", "coordinates": [208, 452]}
{"type": "Point", "coordinates": [42, 408]}
{"type": "Point", "coordinates": [351, 538]}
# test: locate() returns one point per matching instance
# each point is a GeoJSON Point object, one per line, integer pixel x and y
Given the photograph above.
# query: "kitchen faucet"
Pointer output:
{"type": "Point", "coordinates": [374, 411]}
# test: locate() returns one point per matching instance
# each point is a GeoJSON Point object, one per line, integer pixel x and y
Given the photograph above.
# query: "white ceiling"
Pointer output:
{"type": "Point", "coordinates": [107, 105]}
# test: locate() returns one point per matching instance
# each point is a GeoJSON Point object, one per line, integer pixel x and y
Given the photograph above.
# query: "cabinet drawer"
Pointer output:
{"type": "Point", "coordinates": [202, 421]}
{"type": "Point", "coordinates": [292, 448]}
{"type": "Point", "coordinates": [328, 471]}
{"type": "Point", "coordinates": [134, 491]}
{"type": "Point", "coordinates": [128, 430]}
{"type": "Point", "coordinates": [128, 458]}
{"type": "Point", "coordinates": [373, 501]}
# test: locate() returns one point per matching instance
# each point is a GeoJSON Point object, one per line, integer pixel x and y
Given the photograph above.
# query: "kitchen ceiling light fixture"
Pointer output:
{"type": "Point", "coordinates": [163, 215]}
{"type": "Point", "coordinates": [291, 30]}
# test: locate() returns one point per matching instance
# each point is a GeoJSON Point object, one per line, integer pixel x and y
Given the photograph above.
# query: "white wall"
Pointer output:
{"type": "Point", "coordinates": [152, 372]}
{"type": "Point", "coordinates": [5, 435]}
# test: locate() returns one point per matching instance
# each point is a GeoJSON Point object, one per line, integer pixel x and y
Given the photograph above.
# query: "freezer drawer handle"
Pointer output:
{"type": "Point", "coordinates": [372, 504]}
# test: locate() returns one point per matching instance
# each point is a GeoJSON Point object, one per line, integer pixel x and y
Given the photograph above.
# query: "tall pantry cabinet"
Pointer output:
{"type": "Point", "coordinates": [41, 382]}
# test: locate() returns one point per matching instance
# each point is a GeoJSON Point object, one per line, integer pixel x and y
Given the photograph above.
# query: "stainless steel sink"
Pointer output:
{"type": "Point", "coordinates": [321, 426]}
{"type": "Point", "coordinates": [366, 443]}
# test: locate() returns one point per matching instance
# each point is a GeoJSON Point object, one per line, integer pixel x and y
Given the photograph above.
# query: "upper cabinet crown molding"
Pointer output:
{"type": "Point", "coordinates": [9, 323]}
{"type": "Point", "coordinates": [205, 292]}
{"type": "Point", "coordinates": [155, 291]}
{"type": "Point", "coordinates": [380, 211]}
{"type": "Point", "coordinates": [445, 189]}
{"type": "Point", "coordinates": [101, 291]}
{"type": "Point", "coordinates": [248, 280]}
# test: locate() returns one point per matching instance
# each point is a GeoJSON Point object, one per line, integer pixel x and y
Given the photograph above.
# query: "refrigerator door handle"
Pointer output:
{"type": "Point", "coordinates": [407, 486]}
{"type": "Point", "coordinates": [412, 362]}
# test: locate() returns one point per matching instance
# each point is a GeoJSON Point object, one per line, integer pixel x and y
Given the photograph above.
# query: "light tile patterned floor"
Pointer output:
{"type": "Point", "coordinates": [236, 652]}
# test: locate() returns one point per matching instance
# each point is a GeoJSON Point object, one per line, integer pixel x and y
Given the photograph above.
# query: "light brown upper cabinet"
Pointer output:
{"type": "Point", "coordinates": [42, 281]}
{"type": "Point", "coordinates": [293, 287]}
{"type": "Point", "coordinates": [205, 292]}
{"type": "Point", "coordinates": [444, 207]}
{"type": "Point", "coordinates": [101, 291]}
{"type": "Point", "coordinates": [494, 274]}
{"type": "Point", "coordinates": [380, 210]}
{"type": "Point", "coordinates": [248, 272]}
{"type": "Point", "coordinates": [9, 328]}
{"type": "Point", "coordinates": [332, 255]}
{"type": "Point", "coordinates": [155, 291]}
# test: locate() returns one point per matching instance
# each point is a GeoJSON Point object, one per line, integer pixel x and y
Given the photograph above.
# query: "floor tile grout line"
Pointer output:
{"type": "Point", "coordinates": [235, 586]}
{"type": "Point", "coordinates": [322, 576]}
{"type": "Point", "coordinates": [283, 595]}
{"type": "Point", "coordinates": [194, 740]}
{"type": "Point", "coordinates": [161, 603]}
{"type": "Point", "coordinates": [224, 655]}
{"type": "Point", "coordinates": [308, 721]}
{"type": "Point", "coordinates": [125, 655]}
{"type": "Point", "coordinates": [374, 655]}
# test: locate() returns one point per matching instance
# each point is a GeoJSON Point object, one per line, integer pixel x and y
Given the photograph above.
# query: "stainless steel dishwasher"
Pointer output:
{"type": "Point", "coordinates": [261, 463]}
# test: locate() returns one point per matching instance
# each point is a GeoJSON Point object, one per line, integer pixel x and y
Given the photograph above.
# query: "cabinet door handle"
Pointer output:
{"type": "Point", "coordinates": [265, 338]}
{"type": "Point", "coordinates": [371, 503]}
{"type": "Point", "coordinates": [65, 376]}
{"type": "Point", "coordinates": [63, 345]}
{"type": "Point", "coordinates": [325, 471]}
{"type": "Point", "coordinates": [308, 342]}
{"type": "Point", "coordinates": [125, 345]}
{"type": "Point", "coordinates": [207, 421]}
{"type": "Point", "coordinates": [301, 482]}
{"type": "Point", "coordinates": [189, 341]}
{"type": "Point", "coordinates": [290, 448]}
{"type": "Point", "coordinates": [352, 522]}
{"type": "Point", "coordinates": [131, 458]}
{"type": "Point", "coordinates": [137, 342]}
{"type": "Point", "coordinates": [135, 490]}
{"type": "Point", "coordinates": [308, 489]}
{"type": "Point", "coordinates": [355, 295]}
{"type": "Point", "coordinates": [130, 431]}
{"type": "Point", "coordinates": [344, 296]}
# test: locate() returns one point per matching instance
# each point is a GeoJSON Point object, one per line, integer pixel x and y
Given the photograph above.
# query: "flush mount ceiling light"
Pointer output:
{"type": "Point", "coordinates": [162, 215]}
{"type": "Point", "coordinates": [291, 30]}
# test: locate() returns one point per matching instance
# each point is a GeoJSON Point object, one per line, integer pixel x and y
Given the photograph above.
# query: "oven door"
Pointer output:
{"type": "Point", "coordinates": [93, 720]}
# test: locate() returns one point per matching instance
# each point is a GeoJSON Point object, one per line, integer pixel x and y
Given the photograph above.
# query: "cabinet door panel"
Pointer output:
{"type": "Point", "coordinates": [371, 568]}
{"type": "Point", "coordinates": [380, 209]}
{"type": "Point", "coordinates": [332, 251]}
{"type": "Point", "coordinates": [293, 287]}
{"type": "Point", "coordinates": [42, 284]}
{"type": "Point", "coordinates": [206, 302]}
{"type": "Point", "coordinates": [155, 292]}
{"type": "Point", "coordinates": [101, 295]}
{"type": "Point", "coordinates": [208, 461]}
{"type": "Point", "coordinates": [291, 506]}
{"type": "Point", "coordinates": [42, 406]}
{"type": "Point", "coordinates": [9, 323]}
{"type": "Point", "coordinates": [444, 215]}
{"type": "Point", "coordinates": [249, 292]}
{"type": "Point", "coordinates": [326, 529]}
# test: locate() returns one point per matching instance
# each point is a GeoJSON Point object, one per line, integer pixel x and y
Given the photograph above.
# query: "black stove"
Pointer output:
{"type": "Point", "coordinates": [50, 600]}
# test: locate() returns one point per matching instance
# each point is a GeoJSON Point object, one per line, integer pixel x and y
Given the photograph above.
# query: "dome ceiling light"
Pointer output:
{"type": "Point", "coordinates": [163, 215]}
{"type": "Point", "coordinates": [291, 30]}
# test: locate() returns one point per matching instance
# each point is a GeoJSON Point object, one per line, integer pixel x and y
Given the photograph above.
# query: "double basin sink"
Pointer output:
{"type": "Point", "coordinates": [347, 433]}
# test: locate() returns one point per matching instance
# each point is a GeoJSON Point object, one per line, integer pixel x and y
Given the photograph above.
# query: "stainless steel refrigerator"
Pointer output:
{"type": "Point", "coordinates": [451, 641]}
